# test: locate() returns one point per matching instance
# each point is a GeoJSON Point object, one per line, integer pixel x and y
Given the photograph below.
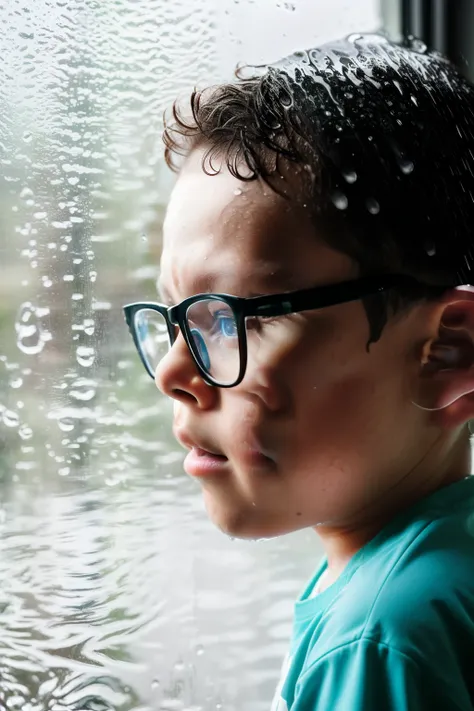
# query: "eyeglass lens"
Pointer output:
{"type": "Point", "coordinates": [213, 331]}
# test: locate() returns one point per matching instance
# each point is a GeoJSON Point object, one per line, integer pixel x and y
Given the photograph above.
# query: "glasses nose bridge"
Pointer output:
{"type": "Point", "coordinates": [172, 315]}
{"type": "Point", "coordinates": [177, 321]}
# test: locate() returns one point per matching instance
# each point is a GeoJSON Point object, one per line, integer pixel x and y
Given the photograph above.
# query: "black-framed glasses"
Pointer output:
{"type": "Point", "coordinates": [213, 325]}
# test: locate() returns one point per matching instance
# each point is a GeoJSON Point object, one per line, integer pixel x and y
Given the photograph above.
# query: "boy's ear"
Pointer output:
{"type": "Point", "coordinates": [446, 378]}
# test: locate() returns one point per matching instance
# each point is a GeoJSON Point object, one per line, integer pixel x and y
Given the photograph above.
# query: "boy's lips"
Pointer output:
{"type": "Point", "coordinates": [185, 439]}
{"type": "Point", "coordinates": [201, 463]}
{"type": "Point", "coordinates": [202, 459]}
{"type": "Point", "coordinates": [200, 449]}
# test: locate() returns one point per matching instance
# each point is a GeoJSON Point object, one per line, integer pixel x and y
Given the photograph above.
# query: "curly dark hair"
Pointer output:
{"type": "Point", "coordinates": [386, 134]}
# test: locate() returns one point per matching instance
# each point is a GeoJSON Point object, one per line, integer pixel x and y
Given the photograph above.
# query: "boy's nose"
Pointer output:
{"type": "Point", "coordinates": [178, 377]}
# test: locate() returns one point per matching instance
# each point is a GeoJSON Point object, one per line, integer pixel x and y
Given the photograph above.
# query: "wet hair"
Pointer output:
{"type": "Point", "coordinates": [385, 134]}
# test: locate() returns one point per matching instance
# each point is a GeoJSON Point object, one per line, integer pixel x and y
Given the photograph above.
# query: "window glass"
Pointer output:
{"type": "Point", "coordinates": [115, 590]}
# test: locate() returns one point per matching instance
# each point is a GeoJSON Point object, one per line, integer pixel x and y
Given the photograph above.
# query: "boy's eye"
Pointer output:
{"type": "Point", "coordinates": [227, 326]}
{"type": "Point", "coordinates": [224, 324]}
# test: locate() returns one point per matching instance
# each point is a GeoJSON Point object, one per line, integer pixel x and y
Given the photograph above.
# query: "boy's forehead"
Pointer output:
{"type": "Point", "coordinates": [231, 212]}
{"type": "Point", "coordinates": [221, 206]}
{"type": "Point", "coordinates": [221, 229]}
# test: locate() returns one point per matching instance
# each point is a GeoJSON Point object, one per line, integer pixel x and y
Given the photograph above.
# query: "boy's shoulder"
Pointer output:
{"type": "Point", "coordinates": [401, 615]}
{"type": "Point", "coordinates": [412, 588]}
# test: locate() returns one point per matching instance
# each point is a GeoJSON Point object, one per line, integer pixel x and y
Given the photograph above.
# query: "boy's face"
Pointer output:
{"type": "Point", "coordinates": [336, 423]}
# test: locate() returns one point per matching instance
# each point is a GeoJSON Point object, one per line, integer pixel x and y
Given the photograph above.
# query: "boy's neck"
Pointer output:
{"type": "Point", "coordinates": [341, 543]}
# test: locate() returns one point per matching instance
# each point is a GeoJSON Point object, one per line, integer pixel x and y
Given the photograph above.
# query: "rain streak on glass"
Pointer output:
{"type": "Point", "coordinates": [116, 592]}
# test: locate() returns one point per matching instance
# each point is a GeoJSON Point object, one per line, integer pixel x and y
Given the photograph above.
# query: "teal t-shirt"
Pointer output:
{"type": "Point", "coordinates": [395, 632]}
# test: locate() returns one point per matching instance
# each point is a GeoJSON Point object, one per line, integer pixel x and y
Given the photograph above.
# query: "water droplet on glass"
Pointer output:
{"type": "Point", "coordinates": [65, 424]}
{"type": "Point", "coordinates": [416, 44]}
{"type": "Point", "coordinates": [85, 356]}
{"type": "Point", "coordinates": [10, 418]}
{"type": "Point", "coordinates": [89, 326]}
{"type": "Point", "coordinates": [373, 206]}
{"type": "Point", "coordinates": [199, 650]}
{"type": "Point", "coordinates": [64, 471]}
{"type": "Point", "coordinates": [27, 136]}
{"type": "Point", "coordinates": [431, 249]}
{"type": "Point", "coordinates": [155, 684]}
{"type": "Point", "coordinates": [29, 334]}
{"type": "Point", "coordinates": [16, 382]}
{"type": "Point", "coordinates": [406, 166]}
{"type": "Point", "coordinates": [350, 176]}
{"type": "Point", "coordinates": [83, 389]}
{"type": "Point", "coordinates": [101, 305]}
{"type": "Point", "coordinates": [25, 432]}
{"type": "Point", "coordinates": [340, 200]}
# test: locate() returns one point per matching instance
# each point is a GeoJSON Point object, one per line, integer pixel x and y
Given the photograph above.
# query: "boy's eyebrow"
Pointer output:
{"type": "Point", "coordinates": [281, 280]}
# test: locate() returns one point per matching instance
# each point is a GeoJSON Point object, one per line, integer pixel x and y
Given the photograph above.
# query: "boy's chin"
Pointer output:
{"type": "Point", "coordinates": [246, 521]}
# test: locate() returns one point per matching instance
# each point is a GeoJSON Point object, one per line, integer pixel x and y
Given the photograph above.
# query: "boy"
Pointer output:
{"type": "Point", "coordinates": [332, 196]}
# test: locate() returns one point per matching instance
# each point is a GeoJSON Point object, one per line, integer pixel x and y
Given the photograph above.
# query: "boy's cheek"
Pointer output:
{"type": "Point", "coordinates": [348, 413]}
{"type": "Point", "coordinates": [278, 342]}
{"type": "Point", "coordinates": [179, 413]}
{"type": "Point", "coordinates": [292, 364]}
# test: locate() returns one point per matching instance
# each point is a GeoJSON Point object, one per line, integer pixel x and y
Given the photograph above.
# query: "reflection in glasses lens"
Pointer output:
{"type": "Point", "coordinates": [201, 348]}
{"type": "Point", "coordinates": [153, 337]}
{"type": "Point", "coordinates": [215, 339]}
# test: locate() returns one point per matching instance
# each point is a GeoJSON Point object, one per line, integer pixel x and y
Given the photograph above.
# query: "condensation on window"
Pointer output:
{"type": "Point", "coordinates": [115, 590]}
